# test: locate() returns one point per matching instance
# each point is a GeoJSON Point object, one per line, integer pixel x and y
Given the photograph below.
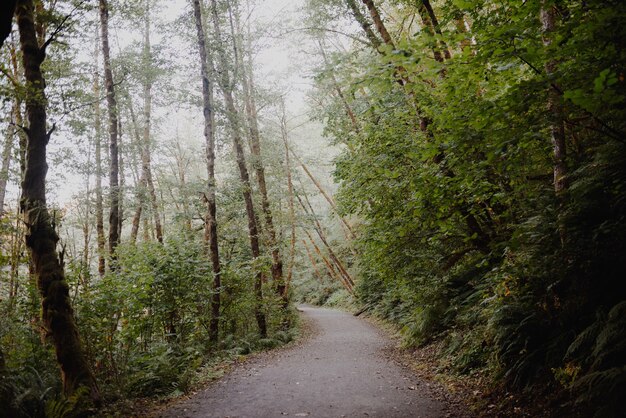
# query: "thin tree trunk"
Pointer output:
{"type": "Point", "coordinates": [140, 184]}
{"type": "Point", "coordinates": [6, 163]}
{"type": "Point", "coordinates": [16, 119]}
{"type": "Point", "coordinates": [122, 180]}
{"type": "Point", "coordinates": [363, 22]}
{"type": "Point", "coordinates": [182, 164]}
{"type": "Point", "coordinates": [56, 309]}
{"type": "Point", "coordinates": [113, 133]}
{"type": "Point", "coordinates": [257, 163]}
{"type": "Point", "coordinates": [328, 198]}
{"type": "Point", "coordinates": [233, 119]}
{"type": "Point", "coordinates": [434, 24]}
{"type": "Point", "coordinates": [320, 232]}
{"type": "Point", "coordinates": [98, 144]}
{"type": "Point", "coordinates": [316, 272]}
{"type": "Point", "coordinates": [555, 106]}
{"type": "Point", "coordinates": [147, 111]}
{"type": "Point", "coordinates": [210, 225]}
{"type": "Point", "coordinates": [429, 27]}
{"type": "Point", "coordinates": [292, 212]}
{"type": "Point", "coordinates": [331, 270]}
{"type": "Point", "coordinates": [378, 22]}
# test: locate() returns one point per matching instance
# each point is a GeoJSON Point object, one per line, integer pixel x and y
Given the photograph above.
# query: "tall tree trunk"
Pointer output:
{"type": "Point", "coordinates": [41, 239]}
{"type": "Point", "coordinates": [328, 198]}
{"type": "Point", "coordinates": [292, 211]}
{"type": "Point", "coordinates": [316, 271]}
{"type": "Point", "coordinates": [98, 145]}
{"type": "Point", "coordinates": [147, 114]}
{"type": "Point", "coordinates": [320, 232]}
{"type": "Point", "coordinates": [210, 225]}
{"type": "Point", "coordinates": [16, 120]}
{"type": "Point", "coordinates": [429, 27]}
{"type": "Point", "coordinates": [114, 236]}
{"type": "Point", "coordinates": [140, 183]}
{"type": "Point", "coordinates": [7, 151]}
{"type": "Point", "coordinates": [364, 23]}
{"type": "Point", "coordinates": [233, 120]}
{"type": "Point", "coordinates": [430, 16]}
{"type": "Point", "coordinates": [555, 106]}
{"type": "Point", "coordinates": [378, 22]}
{"type": "Point", "coordinates": [257, 164]}
{"type": "Point", "coordinates": [122, 179]}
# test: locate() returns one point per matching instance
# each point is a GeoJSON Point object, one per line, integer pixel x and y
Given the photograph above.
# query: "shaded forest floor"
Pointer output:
{"type": "Point", "coordinates": [473, 391]}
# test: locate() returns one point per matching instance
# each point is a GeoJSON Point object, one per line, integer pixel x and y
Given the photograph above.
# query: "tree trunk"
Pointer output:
{"type": "Point", "coordinates": [16, 118]}
{"type": "Point", "coordinates": [41, 239]}
{"type": "Point", "coordinates": [120, 147]}
{"type": "Point", "coordinates": [378, 22]}
{"type": "Point", "coordinates": [114, 236]}
{"type": "Point", "coordinates": [210, 224]}
{"type": "Point", "coordinates": [430, 18]}
{"type": "Point", "coordinates": [6, 163]}
{"type": "Point", "coordinates": [233, 120]}
{"type": "Point", "coordinates": [320, 232]}
{"type": "Point", "coordinates": [147, 112]}
{"type": "Point", "coordinates": [328, 198]}
{"type": "Point", "coordinates": [555, 106]}
{"type": "Point", "coordinates": [316, 272]}
{"type": "Point", "coordinates": [257, 163]}
{"type": "Point", "coordinates": [362, 21]}
{"type": "Point", "coordinates": [292, 211]}
{"type": "Point", "coordinates": [429, 27]}
{"type": "Point", "coordinates": [140, 184]}
{"type": "Point", "coordinates": [98, 145]}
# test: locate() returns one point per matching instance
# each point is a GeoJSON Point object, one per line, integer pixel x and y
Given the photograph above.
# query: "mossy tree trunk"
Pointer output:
{"type": "Point", "coordinates": [210, 228]}
{"type": "Point", "coordinates": [114, 209]}
{"type": "Point", "coordinates": [41, 237]}
{"type": "Point", "coordinates": [232, 116]}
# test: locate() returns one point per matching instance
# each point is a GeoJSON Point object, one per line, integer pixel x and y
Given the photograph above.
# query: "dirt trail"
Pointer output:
{"type": "Point", "coordinates": [339, 372]}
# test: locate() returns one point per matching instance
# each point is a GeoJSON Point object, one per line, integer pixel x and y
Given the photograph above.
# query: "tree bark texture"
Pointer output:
{"type": "Point", "coordinates": [364, 23]}
{"type": "Point", "coordinates": [101, 239]}
{"type": "Point", "coordinates": [291, 204]}
{"type": "Point", "coordinates": [555, 106]}
{"type": "Point", "coordinates": [6, 163]}
{"type": "Point", "coordinates": [378, 22]}
{"type": "Point", "coordinates": [147, 114]}
{"type": "Point", "coordinates": [429, 14]}
{"type": "Point", "coordinates": [114, 236]}
{"type": "Point", "coordinates": [210, 224]}
{"type": "Point", "coordinates": [41, 238]}
{"type": "Point", "coordinates": [232, 116]}
{"type": "Point", "coordinates": [257, 164]}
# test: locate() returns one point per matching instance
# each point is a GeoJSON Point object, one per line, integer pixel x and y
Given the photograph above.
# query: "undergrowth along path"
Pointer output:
{"type": "Point", "coordinates": [340, 371]}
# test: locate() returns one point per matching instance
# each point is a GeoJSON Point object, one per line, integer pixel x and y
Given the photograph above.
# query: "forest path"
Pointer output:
{"type": "Point", "coordinates": [340, 371]}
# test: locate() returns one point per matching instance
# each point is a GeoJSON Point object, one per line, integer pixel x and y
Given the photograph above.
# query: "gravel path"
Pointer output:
{"type": "Point", "coordinates": [339, 372]}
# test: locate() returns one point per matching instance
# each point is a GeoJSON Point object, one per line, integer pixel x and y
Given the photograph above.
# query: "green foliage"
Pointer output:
{"type": "Point", "coordinates": [462, 237]}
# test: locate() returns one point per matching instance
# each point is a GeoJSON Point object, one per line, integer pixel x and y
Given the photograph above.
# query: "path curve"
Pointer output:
{"type": "Point", "coordinates": [341, 371]}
